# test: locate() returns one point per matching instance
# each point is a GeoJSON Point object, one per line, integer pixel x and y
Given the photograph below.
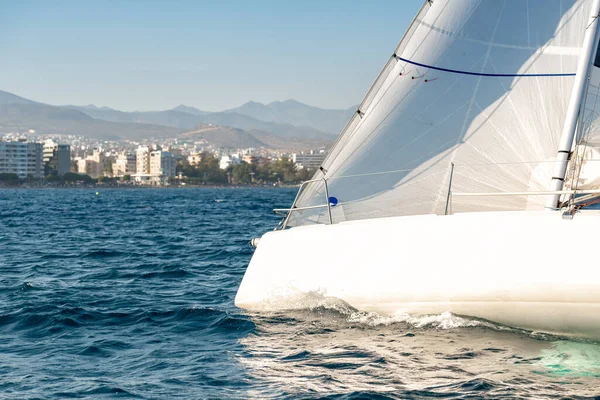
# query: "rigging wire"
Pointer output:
{"type": "Point", "coordinates": [381, 92]}
{"type": "Point", "coordinates": [578, 165]}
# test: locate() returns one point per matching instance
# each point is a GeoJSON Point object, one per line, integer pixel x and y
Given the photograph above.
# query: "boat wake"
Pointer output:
{"type": "Point", "coordinates": [318, 305]}
{"type": "Point", "coordinates": [322, 344]}
{"type": "Point", "coordinates": [445, 320]}
{"type": "Point", "coordinates": [566, 358]}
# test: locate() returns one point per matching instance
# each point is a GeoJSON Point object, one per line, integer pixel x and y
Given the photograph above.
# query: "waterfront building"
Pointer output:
{"type": "Point", "coordinates": [310, 160]}
{"type": "Point", "coordinates": [86, 166]}
{"type": "Point", "coordinates": [162, 163]}
{"type": "Point", "coordinates": [227, 161]}
{"type": "Point", "coordinates": [94, 165]}
{"type": "Point", "coordinates": [56, 158]}
{"type": "Point", "coordinates": [64, 159]}
{"type": "Point", "coordinates": [125, 164]}
{"type": "Point", "coordinates": [142, 159]}
{"type": "Point", "coordinates": [21, 158]}
{"type": "Point", "coordinates": [100, 163]}
{"type": "Point", "coordinates": [156, 167]}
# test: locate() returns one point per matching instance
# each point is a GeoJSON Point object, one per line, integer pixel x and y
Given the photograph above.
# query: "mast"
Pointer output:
{"type": "Point", "coordinates": [590, 42]}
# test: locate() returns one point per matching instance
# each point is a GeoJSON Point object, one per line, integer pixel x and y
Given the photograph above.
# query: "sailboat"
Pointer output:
{"type": "Point", "coordinates": [464, 181]}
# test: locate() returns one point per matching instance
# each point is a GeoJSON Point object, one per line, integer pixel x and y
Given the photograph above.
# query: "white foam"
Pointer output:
{"type": "Point", "coordinates": [296, 300]}
{"type": "Point", "coordinates": [446, 320]}
{"type": "Point", "coordinates": [293, 299]}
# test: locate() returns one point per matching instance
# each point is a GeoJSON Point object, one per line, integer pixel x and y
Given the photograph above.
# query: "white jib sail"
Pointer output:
{"type": "Point", "coordinates": [481, 84]}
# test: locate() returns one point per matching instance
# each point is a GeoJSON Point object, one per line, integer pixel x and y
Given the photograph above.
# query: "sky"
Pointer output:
{"type": "Point", "coordinates": [210, 54]}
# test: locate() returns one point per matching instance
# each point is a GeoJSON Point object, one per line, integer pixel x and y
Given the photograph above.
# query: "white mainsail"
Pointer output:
{"type": "Point", "coordinates": [483, 85]}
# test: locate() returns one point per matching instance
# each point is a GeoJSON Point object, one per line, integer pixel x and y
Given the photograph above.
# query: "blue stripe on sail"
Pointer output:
{"type": "Point", "coordinates": [455, 71]}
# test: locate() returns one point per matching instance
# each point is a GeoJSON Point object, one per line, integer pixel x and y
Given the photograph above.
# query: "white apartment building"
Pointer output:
{"type": "Point", "coordinates": [162, 163]}
{"type": "Point", "coordinates": [227, 161]}
{"type": "Point", "coordinates": [142, 160]}
{"type": "Point", "coordinates": [154, 167]}
{"type": "Point", "coordinates": [86, 166]}
{"type": "Point", "coordinates": [310, 160]}
{"type": "Point", "coordinates": [125, 164]}
{"type": "Point", "coordinates": [93, 165]}
{"type": "Point", "coordinates": [21, 158]}
{"type": "Point", "coordinates": [48, 149]}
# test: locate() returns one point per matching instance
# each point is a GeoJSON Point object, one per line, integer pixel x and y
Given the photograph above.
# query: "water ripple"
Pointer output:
{"type": "Point", "coordinates": [129, 294]}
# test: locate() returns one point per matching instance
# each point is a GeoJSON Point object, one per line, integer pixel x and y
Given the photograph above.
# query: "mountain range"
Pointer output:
{"type": "Point", "coordinates": [288, 124]}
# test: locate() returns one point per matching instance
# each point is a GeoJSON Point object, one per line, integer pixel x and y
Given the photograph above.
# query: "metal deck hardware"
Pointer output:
{"type": "Point", "coordinates": [288, 211]}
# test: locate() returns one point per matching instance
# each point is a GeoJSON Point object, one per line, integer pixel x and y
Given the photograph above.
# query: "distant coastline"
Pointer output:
{"type": "Point", "coordinates": [96, 186]}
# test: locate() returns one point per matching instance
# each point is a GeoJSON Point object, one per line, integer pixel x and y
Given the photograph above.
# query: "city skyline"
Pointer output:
{"type": "Point", "coordinates": [209, 55]}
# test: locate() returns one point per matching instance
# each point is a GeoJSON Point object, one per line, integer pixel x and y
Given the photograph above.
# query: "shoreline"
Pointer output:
{"type": "Point", "coordinates": [152, 187]}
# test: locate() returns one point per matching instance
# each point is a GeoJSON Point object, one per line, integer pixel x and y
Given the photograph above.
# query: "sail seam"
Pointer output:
{"type": "Point", "coordinates": [457, 71]}
{"type": "Point", "coordinates": [464, 129]}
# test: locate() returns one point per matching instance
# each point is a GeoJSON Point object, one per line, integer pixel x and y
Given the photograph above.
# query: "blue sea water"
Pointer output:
{"type": "Point", "coordinates": [129, 294]}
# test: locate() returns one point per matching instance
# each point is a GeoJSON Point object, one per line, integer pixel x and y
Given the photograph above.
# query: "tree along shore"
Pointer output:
{"type": "Point", "coordinates": [206, 173]}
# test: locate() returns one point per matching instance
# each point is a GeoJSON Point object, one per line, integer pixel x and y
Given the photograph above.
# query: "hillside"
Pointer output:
{"type": "Point", "coordinates": [223, 137]}
{"type": "Point", "coordinates": [290, 143]}
{"type": "Point", "coordinates": [251, 125]}
{"type": "Point", "coordinates": [184, 117]}
{"type": "Point", "coordinates": [9, 98]}
{"type": "Point", "coordinates": [190, 110]}
{"type": "Point", "coordinates": [227, 137]}
{"type": "Point", "coordinates": [248, 123]}
{"type": "Point", "coordinates": [295, 113]}
{"type": "Point", "coordinates": [172, 118]}
{"type": "Point", "coordinates": [50, 119]}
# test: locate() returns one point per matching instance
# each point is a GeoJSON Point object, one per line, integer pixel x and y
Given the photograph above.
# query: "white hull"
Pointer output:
{"type": "Point", "coordinates": [532, 270]}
